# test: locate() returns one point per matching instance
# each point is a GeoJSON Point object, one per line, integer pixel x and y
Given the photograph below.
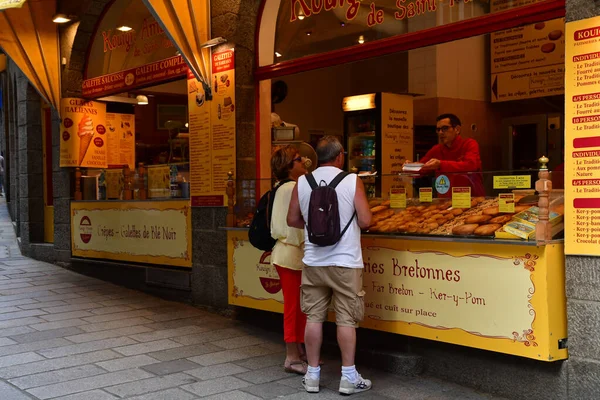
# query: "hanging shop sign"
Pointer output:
{"type": "Point", "coordinates": [121, 139]}
{"type": "Point", "coordinates": [528, 61]}
{"type": "Point", "coordinates": [145, 75]}
{"type": "Point", "coordinates": [5, 4]}
{"type": "Point", "coordinates": [212, 132]}
{"type": "Point", "coordinates": [492, 297]}
{"type": "Point", "coordinates": [83, 139]}
{"type": "Point", "coordinates": [145, 232]}
{"type": "Point", "coordinates": [582, 141]}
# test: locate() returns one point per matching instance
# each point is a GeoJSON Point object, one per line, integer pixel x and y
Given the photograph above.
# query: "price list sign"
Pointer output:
{"type": "Point", "coordinates": [582, 137]}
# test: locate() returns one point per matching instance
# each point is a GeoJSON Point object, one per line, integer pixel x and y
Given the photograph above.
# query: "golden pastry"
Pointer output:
{"type": "Point", "coordinates": [487, 230]}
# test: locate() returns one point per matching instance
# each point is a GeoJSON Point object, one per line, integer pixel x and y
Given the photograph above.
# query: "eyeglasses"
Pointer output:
{"type": "Point", "coordinates": [443, 128]}
{"type": "Point", "coordinates": [299, 159]}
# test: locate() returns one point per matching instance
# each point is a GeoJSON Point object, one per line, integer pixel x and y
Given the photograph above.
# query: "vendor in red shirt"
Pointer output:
{"type": "Point", "coordinates": [455, 154]}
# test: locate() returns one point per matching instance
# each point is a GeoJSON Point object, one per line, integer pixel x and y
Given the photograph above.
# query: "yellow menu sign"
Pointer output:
{"type": "Point", "coordinates": [426, 195]}
{"type": "Point", "coordinates": [506, 203]}
{"type": "Point", "coordinates": [83, 133]}
{"type": "Point", "coordinates": [582, 140]}
{"type": "Point", "coordinates": [121, 139]}
{"type": "Point", "coordinates": [512, 182]}
{"type": "Point", "coordinates": [398, 198]}
{"type": "Point", "coordinates": [461, 197]}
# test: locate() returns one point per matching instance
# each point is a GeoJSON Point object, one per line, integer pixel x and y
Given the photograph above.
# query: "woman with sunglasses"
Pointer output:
{"type": "Point", "coordinates": [288, 166]}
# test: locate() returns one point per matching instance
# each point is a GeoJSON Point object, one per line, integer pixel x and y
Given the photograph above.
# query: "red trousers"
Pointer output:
{"type": "Point", "coordinates": [294, 320]}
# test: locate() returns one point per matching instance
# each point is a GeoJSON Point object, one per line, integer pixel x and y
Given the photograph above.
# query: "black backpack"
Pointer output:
{"type": "Point", "coordinates": [260, 227]}
{"type": "Point", "coordinates": [323, 223]}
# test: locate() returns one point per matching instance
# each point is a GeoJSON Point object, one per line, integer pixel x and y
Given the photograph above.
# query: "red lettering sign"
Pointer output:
{"type": "Point", "coordinates": [223, 61]}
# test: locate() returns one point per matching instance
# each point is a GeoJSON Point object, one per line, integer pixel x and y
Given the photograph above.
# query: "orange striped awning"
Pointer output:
{"type": "Point", "coordinates": [30, 39]}
{"type": "Point", "coordinates": [186, 23]}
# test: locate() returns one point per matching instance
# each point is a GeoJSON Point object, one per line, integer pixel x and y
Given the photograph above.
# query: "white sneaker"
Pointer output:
{"type": "Point", "coordinates": [311, 385]}
{"type": "Point", "coordinates": [361, 385]}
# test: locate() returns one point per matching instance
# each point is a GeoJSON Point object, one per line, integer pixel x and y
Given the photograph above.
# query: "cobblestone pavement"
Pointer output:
{"type": "Point", "coordinates": [68, 336]}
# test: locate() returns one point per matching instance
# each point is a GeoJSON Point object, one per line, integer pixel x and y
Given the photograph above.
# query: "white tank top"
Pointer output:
{"type": "Point", "coordinates": [347, 252]}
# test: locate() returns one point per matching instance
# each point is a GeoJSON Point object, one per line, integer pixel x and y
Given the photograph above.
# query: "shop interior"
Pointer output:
{"type": "Point", "coordinates": [160, 164]}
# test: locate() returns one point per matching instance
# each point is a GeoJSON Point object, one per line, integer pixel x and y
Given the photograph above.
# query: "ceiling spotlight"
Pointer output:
{"type": "Point", "coordinates": [61, 19]}
{"type": "Point", "coordinates": [124, 28]}
{"type": "Point", "coordinates": [141, 100]}
{"type": "Point", "coordinates": [342, 24]}
{"type": "Point", "coordinates": [361, 39]}
{"type": "Point", "coordinates": [308, 33]}
{"type": "Point", "coordinates": [301, 15]}
{"type": "Point", "coordinates": [187, 125]}
{"type": "Point", "coordinates": [277, 54]}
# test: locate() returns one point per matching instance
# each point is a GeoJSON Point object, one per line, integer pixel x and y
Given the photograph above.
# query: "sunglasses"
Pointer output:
{"type": "Point", "coordinates": [299, 159]}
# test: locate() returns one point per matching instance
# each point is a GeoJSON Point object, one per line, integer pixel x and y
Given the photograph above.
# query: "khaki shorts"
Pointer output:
{"type": "Point", "coordinates": [321, 285]}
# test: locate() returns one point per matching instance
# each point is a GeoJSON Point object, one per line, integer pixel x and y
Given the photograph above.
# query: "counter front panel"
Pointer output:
{"type": "Point", "coordinates": [506, 298]}
{"type": "Point", "coordinates": [154, 232]}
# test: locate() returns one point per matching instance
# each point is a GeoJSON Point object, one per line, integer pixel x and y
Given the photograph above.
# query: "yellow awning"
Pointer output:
{"type": "Point", "coordinates": [186, 23]}
{"type": "Point", "coordinates": [30, 39]}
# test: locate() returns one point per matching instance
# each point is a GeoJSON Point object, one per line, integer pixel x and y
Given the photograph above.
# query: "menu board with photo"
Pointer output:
{"type": "Point", "coordinates": [212, 132]}
{"type": "Point", "coordinates": [83, 134]}
{"type": "Point", "coordinates": [121, 139]}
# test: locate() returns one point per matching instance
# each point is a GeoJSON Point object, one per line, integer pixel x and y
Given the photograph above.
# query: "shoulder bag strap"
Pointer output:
{"type": "Point", "coordinates": [311, 181]}
{"type": "Point", "coordinates": [339, 178]}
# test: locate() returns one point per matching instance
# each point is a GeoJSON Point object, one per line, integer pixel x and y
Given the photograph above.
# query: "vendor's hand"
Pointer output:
{"type": "Point", "coordinates": [406, 162]}
{"type": "Point", "coordinates": [432, 164]}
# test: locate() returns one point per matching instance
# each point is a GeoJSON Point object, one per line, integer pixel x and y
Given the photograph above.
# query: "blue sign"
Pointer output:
{"type": "Point", "coordinates": [442, 184]}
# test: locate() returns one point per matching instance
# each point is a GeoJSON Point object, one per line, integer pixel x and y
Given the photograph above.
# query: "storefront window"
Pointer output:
{"type": "Point", "coordinates": [307, 27]}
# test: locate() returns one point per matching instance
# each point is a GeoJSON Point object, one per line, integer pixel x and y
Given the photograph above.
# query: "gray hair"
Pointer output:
{"type": "Point", "coordinates": [328, 148]}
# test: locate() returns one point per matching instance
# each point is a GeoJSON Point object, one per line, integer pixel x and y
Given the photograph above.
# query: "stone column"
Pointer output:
{"type": "Point", "coordinates": [583, 289]}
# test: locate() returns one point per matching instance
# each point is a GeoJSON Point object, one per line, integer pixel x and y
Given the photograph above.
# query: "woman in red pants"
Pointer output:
{"type": "Point", "coordinates": [288, 166]}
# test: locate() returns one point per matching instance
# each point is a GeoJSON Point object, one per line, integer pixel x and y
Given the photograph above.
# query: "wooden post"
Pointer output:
{"type": "Point", "coordinates": [543, 229]}
{"type": "Point", "coordinates": [127, 189]}
{"type": "Point", "coordinates": [78, 193]}
{"type": "Point", "coordinates": [231, 219]}
{"type": "Point", "coordinates": [142, 190]}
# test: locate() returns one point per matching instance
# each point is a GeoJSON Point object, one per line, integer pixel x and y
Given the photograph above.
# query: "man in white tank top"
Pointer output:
{"type": "Point", "coordinates": [333, 273]}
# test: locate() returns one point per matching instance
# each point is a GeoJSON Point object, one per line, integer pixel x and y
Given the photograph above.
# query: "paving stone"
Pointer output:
{"type": "Point", "coordinates": [94, 299]}
{"type": "Point", "coordinates": [21, 314]}
{"type": "Point", "coordinates": [167, 333]}
{"type": "Point", "coordinates": [9, 309]}
{"type": "Point", "coordinates": [67, 315]}
{"type": "Point", "coordinates": [234, 395]}
{"type": "Point", "coordinates": [36, 289]}
{"type": "Point", "coordinates": [270, 390]}
{"type": "Point", "coordinates": [48, 378]}
{"type": "Point", "coordinates": [184, 352]}
{"type": "Point", "coordinates": [9, 392]}
{"type": "Point", "coordinates": [16, 359]}
{"type": "Point", "coordinates": [263, 361]}
{"type": "Point", "coordinates": [90, 395]}
{"type": "Point", "coordinates": [46, 326]}
{"type": "Point", "coordinates": [179, 323]}
{"type": "Point", "coordinates": [169, 316]}
{"type": "Point", "coordinates": [148, 347]}
{"type": "Point", "coordinates": [38, 304]}
{"type": "Point", "coordinates": [36, 336]}
{"type": "Point", "coordinates": [19, 302]}
{"type": "Point", "coordinates": [89, 383]}
{"type": "Point", "coordinates": [110, 310]}
{"type": "Point", "coordinates": [127, 363]}
{"type": "Point", "coordinates": [114, 324]}
{"type": "Point", "coordinates": [170, 367]}
{"type": "Point", "coordinates": [57, 363]}
{"type": "Point", "coordinates": [86, 347]}
{"type": "Point", "coordinates": [209, 336]}
{"type": "Point", "coordinates": [150, 385]}
{"type": "Point", "coordinates": [214, 386]}
{"type": "Point", "coordinates": [229, 355]}
{"type": "Point", "coordinates": [236, 343]}
{"type": "Point", "coordinates": [17, 330]}
{"type": "Point", "coordinates": [54, 297]}
{"type": "Point", "coordinates": [169, 394]}
{"type": "Point", "coordinates": [113, 333]}
{"type": "Point", "coordinates": [216, 371]}
{"type": "Point", "coordinates": [264, 375]}
{"type": "Point", "coordinates": [119, 316]}
{"type": "Point", "coordinates": [324, 394]}
{"type": "Point", "coordinates": [71, 307]}
{"type": "Point", "coordinates": [33, 346]}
